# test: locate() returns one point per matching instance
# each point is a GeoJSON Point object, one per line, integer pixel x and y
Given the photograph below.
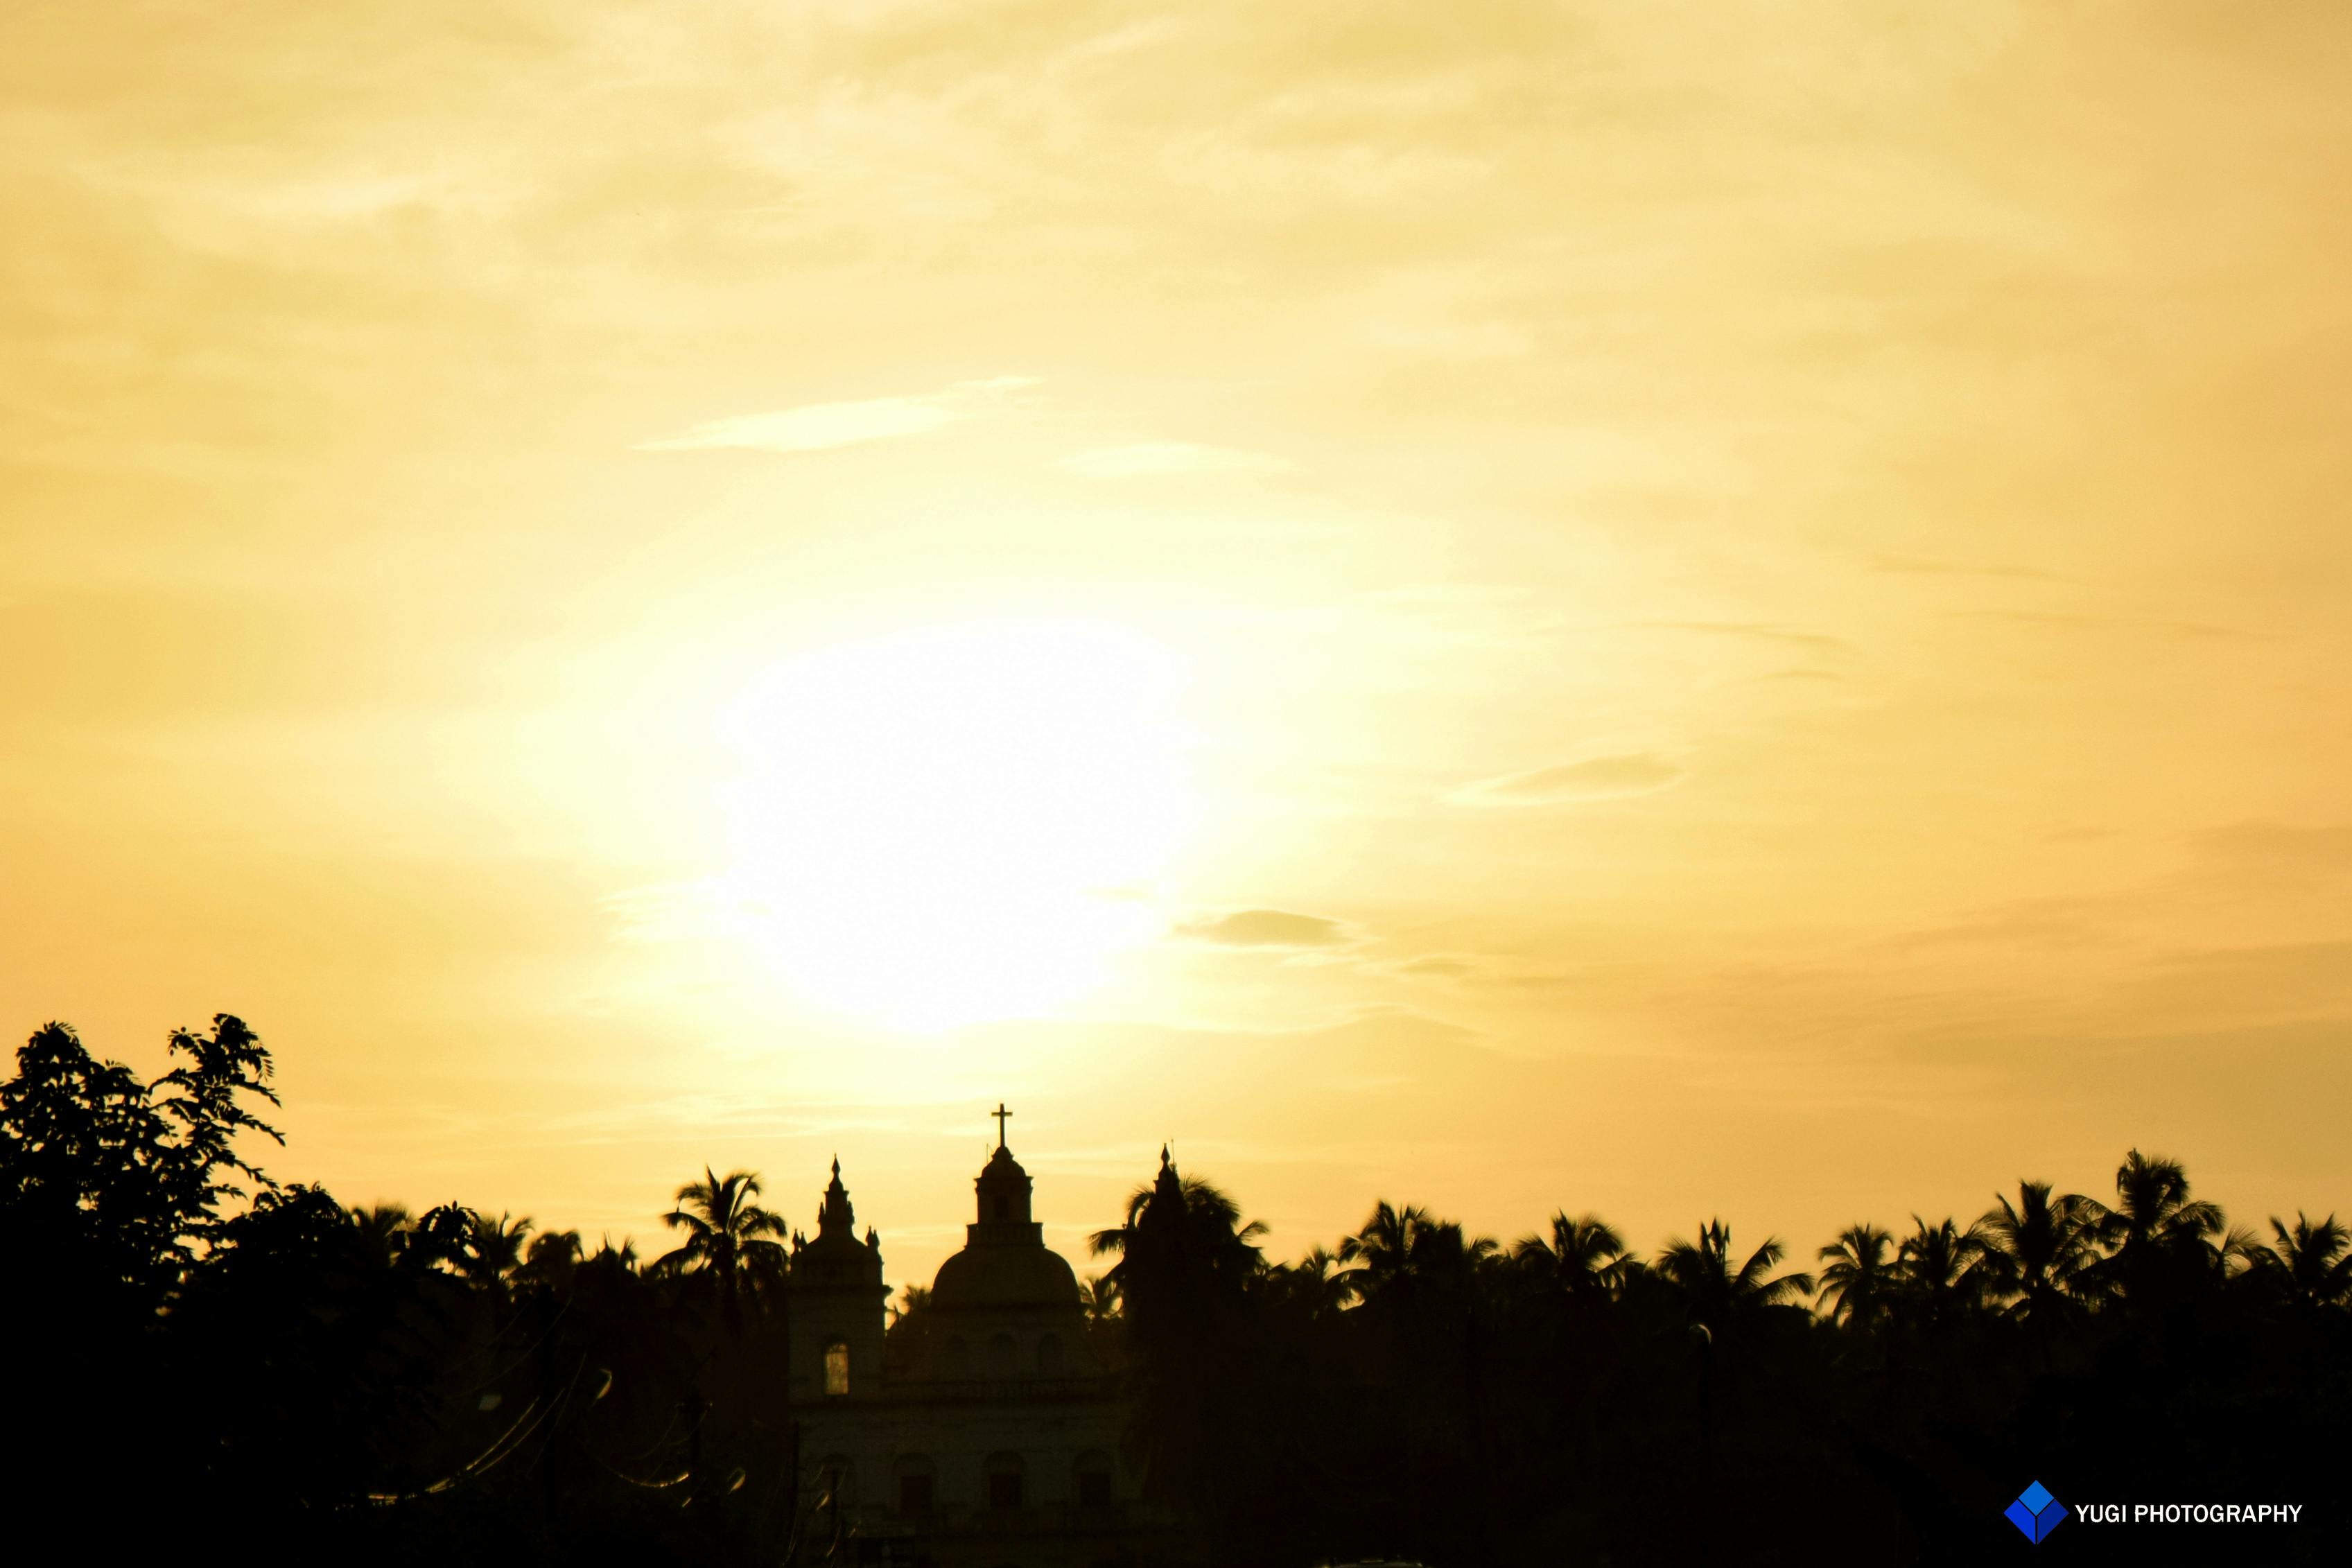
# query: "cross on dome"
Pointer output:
{"type": "Point", "coordinates": [999, 1114]}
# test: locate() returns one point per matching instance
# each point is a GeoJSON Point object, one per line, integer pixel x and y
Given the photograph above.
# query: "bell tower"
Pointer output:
{"type": "Point", "coordinates": [836, 1305]}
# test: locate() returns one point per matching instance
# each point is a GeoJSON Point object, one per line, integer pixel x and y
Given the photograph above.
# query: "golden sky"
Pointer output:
{"type": "Point", "coordinates": [1671, 609]}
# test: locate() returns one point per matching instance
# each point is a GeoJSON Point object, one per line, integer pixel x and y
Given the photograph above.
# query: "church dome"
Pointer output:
{"type": "Point", "coordinates": [1004, 1261]}
{"type": "Point", "coordinates": [995, 1276]}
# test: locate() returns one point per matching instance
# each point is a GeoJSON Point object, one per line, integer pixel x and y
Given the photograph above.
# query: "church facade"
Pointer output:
{"type": "Point", "coordinates": [985, 1432]}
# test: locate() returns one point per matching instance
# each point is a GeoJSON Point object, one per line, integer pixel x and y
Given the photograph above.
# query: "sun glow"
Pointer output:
{"type": "Point", "coordinates": [956, 824]}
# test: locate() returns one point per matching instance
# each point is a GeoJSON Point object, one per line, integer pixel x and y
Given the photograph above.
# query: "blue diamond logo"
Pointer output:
{"type": "Point", "coordinates": [2035, 1512]}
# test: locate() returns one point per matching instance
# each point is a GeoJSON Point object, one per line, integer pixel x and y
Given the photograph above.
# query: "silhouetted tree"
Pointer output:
{"type": "Point", "coordinates": [552, 1261]}
{"type": "Point", "coordinates": [1582, 1256]}
{"type": "Point", "coordinates": [383, 1230]}
{"type": "Point", "coordinates": [1186, 1261]}
{"type": "Point", "coordinates": [370, 1384]}
{"type": "Point", "coordinates": [2035, 1253]}
{"type": "Point", "coordinates": [1935, 1270]}
{"type": "Point", "coordinates": [2309, 1264]}
{"type": "Point", "coordinates": [2158, 1239]}
{"type": "Point", "coordinates": [730, 1238]}
{"type": "Point", "coordinates": [1858, 1276]}
{"type": "Point", "coordinates": [1316, 1285]}
{"type": "Point", "coordinates": [205, 1095]}
{"type": "Point", "coordinates": [493, 1249]}
{"type": "Point", "coordinates": [1716, 1293]}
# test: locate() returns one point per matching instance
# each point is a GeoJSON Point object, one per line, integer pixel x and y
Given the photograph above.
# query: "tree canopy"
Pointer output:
{"type": "Point", "coordinates": [383, 1380]}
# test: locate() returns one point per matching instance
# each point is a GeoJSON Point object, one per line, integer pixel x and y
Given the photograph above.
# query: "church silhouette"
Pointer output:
{"type": "Point", "coordinates": [983, 1430]}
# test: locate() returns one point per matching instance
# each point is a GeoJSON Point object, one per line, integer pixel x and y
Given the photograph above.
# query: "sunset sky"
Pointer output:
{"type": "Point", "coordinates": [1669, 609]}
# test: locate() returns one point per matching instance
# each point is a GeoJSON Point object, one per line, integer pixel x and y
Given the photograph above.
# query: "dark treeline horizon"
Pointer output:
{"type": "Point", "coordinates": [194, 1338]}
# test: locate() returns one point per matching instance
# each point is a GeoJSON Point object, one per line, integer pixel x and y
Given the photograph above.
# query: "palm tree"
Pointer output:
{"type": "Point", "coordinates": [1856, 1284]}
{"type": "Point", "coordinates": [1098, 1298]}
{"type": "Point", "coordinates": [1450, 1251]}
{"type": "Point", "coordinates": [728, 1236]}
{"type": "Point", "coordinates": [1189, 1216]}
{"type": "Point", "coordinates": [553, 1260]}
{"type": "Point", "coordinates": [383, 1230]}
{"type": "Point", "coordinates": [2241, 1252]}
{"type": "Point", "coordinates": [1584, 1256]}
{"type": "Point", "coordinates": [2034, 1251]}
{"type": "Point", "coordinates": [1716, 1294]}
{"type": "Point", "coordinates": [620, 1260]}
{"type": "Point", "coordinates": [2153, 1205]}
{"type": "Point", "coordinates": [2157, 1234]}
{"type": "Point", "coordinates": [440, 1240]}
{"type": "Point", "coordinates": [1186, 1268]}
{"type": "Point", "coordinates": [1385, 1244]}
{"type": "Point", "coordinates": [1400, 1246]}
{"type": "Point", "coordinates": [1316, 1283]}
{"type": "Point", "coordinates": [1096, 1295]}
{"type": "Point", "coordinates": [493, 1249]}
{"type": "Point", "coordinates": [1934, 1268]}
{"type": "Point", "coordinates": [2310, 1265]}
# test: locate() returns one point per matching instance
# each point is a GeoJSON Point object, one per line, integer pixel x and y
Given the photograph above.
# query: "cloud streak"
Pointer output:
{"type": "Point", "coordinates": [1266, 928]}
{"type": "Point", "coordinates": [1920, 566]}
{"type": "Point", "coordinates": [1169, 457]}
{"type": "Point", "coordinates": [820, 426]}
{"type": "Point", "coordinates": [1595, 778]}
{"type": "Point", "coordinates": [1756, 631]}
{"type": "Point", "coordinates": [2051, 620]}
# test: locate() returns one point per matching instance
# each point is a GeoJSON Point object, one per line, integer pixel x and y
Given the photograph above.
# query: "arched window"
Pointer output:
{"type": "Point", "coordinates": [918, 1483]}
{"type": "Point", "coordinates": [1049, 1355]}
{"type": "Point", "coordinates": [1004, 1208]}
{"type": "Point", "coordinates": [956, 1360]}
{"type": "Point", "coordinates": [1090, 1474]}
{"type": "Point", "coordinates": [836, 1366]}
{"type": "Point", "coordinates": [1003, 1356]}
{"type": "Point", "coordinates": [1005, 1472]}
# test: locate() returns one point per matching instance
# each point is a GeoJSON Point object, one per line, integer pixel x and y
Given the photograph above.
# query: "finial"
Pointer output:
{"type": "Point", "coordinates": [999, 1114]}
{"type": "Point", "coordinates": [836, 1167]}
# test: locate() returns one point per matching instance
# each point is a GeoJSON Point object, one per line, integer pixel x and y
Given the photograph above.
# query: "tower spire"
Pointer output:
{"type": "Point", "coordinates": [833, 1216]}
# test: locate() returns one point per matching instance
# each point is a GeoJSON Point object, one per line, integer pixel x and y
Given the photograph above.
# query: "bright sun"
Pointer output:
{"type": "Point", "coordinates": [956, 824]}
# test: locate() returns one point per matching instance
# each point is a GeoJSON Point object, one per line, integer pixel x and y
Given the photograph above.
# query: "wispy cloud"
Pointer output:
{"type": "Point", "coordinates": [1484, 340]}
{"type": "Point", "coordinates": [1169, 457]}
{"type": "Point", "coordinates": [1918, 566]}
{"type": "Point", "coordinates": [2189, 631]}
{"type": "Point", "coordinates": [1266, 928]}
{"type": "Point", "coordinates": [1755, 630]}
{"type": "Point", "coordinates": [2278, 841]}
{"type": "Point", "coordinates": [1595, 778]}
{"type": "Point", "coordinates": [815, 426]}
{"type": "Point", "coordinates": [1436, 966]}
